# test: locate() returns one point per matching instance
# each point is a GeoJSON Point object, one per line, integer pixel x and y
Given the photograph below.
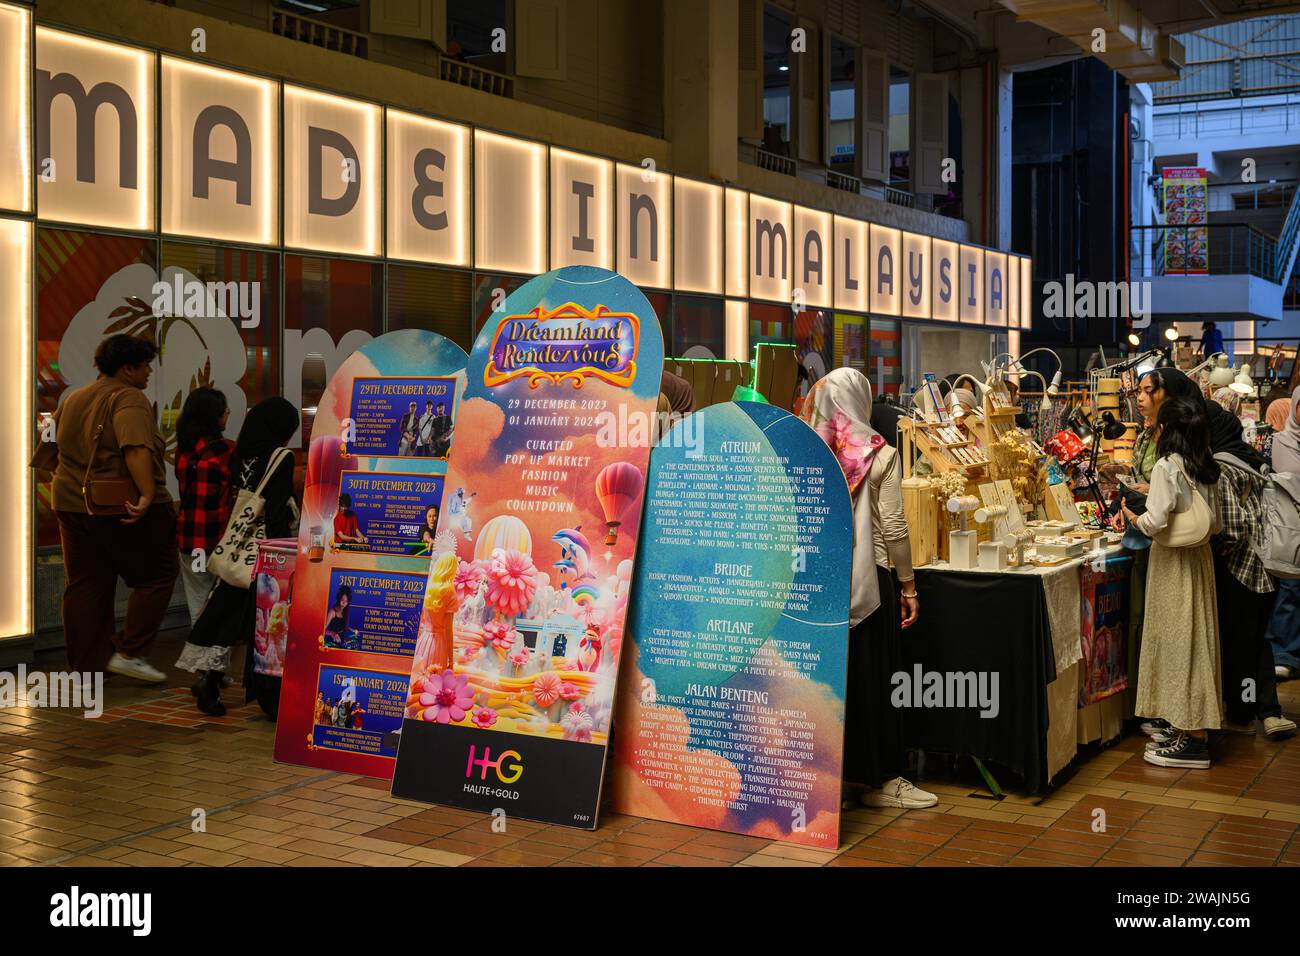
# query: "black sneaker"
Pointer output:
{"type": "Point", "coordinates": [1157, 725]}
{"type": "Point", "coordinates": [1187, 752]}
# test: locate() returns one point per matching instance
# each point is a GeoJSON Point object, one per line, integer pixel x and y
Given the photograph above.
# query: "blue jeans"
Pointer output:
{"type": "Point", "coordinates": [1284, 628]}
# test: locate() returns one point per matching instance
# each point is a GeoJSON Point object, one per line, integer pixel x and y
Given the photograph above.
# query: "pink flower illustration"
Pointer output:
{"type": "Point", "coordinates": [520, 657]}
{"type": "Point", "coordinates": [570, 691]}
{"type": "Point", "coordinates": [447, 698]}
{"type": "Point", "coordinates": [484, 717]}
{"type": "Point", "coordinates": [469, 575]}
{"type": "Point", "coordinates": [577, 724]}
{"type": "Point", "coordinates": [546, 689]}
{"type": "Point", "coordinates": [499, 634]}
{"type": "Point", "coordinates": [512, 581]}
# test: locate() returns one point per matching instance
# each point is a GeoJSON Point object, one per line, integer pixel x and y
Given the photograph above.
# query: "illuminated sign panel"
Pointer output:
{"type": "Point", "coordinates": [428, 190]}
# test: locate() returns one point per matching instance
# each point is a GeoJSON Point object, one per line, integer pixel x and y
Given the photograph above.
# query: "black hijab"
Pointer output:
{"type": "Point", "coordinates": [1176, 385]}
{"type": "Point", "coordinates": [1225, 436]}
{"type": "Point", "coordinates": [269, 424]}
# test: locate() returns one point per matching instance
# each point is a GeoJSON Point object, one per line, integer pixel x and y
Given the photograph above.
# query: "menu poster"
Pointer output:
{"type": "Point", "coordinates": [732, 712]}
{"type": "Point", "coordinates": [512, 686]}
{"type": "Point", "coordinates": [1187, 250]}
{"type": "Point", "coordinates": [363, 552]}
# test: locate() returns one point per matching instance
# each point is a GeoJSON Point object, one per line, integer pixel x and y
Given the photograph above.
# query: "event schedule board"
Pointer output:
{"type": "Point", "coordinates": [732, 714]}
{"type": "Point", "coordinates": [371, 502]}
{"type": "Point", "coordinates": [512, 687]}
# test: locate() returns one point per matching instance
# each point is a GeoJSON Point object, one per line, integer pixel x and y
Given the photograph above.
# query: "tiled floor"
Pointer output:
{"type": "Point", "coordinates": [123, 790]}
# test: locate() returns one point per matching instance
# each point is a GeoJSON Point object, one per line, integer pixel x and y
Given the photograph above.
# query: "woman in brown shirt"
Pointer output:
{"type": "Point", "coordinates": [98, 548]}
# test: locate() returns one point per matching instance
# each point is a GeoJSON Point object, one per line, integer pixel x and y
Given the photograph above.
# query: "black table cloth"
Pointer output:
{"type": "Point", "coordinates": [984, 623]}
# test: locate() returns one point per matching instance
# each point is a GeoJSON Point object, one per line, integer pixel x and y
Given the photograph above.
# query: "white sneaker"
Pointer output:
{"type": "Point", "coordinates": [899, 793]}
{"type": "Point", "coordinates": [1154, 727]}
{"type": "Point", "coordinates": [137, 668]}
{"type": "Point", "coordinates": [1276, 728]}
{"type": "Point", "coordinates": [1282, 672]}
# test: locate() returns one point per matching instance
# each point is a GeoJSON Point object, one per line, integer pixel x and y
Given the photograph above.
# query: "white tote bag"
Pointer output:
{"type": "Point", "coordinates": [233, 558]}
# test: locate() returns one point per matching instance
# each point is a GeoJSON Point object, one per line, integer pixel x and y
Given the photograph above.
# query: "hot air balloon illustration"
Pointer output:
{"type": "Point", "coordinates": [618, 486]}
{"type": "Point", "coordinates": [503, 531]}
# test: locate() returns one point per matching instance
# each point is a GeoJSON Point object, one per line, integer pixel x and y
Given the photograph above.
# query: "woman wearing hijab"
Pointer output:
{"type": "Point", "coordinates": [1276, 415]}
{"type": "Point", "coordinates": [228, 617]}
{"type": "Point", "coordinates": [1243, 588]}
{"type": "Point", "coordinates": [1284, 628]}
{"type": "Point", "coordinates": [839, 408]}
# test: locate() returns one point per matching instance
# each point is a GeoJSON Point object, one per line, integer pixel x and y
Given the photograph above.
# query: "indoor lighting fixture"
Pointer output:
{"type": "Point", "coordinates": [1134, 339]}
{"type": "Point", "coordinates": [783, 68]}
{"type": "Point", "coordinates": [1222, 373]}
{"type": "Point", "coordinates": [1171, 334]}
{"type": "Point", "coordinates": [1017, 366]}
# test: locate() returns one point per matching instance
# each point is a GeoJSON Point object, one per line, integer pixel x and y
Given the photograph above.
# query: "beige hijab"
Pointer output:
{"type": "Point", "coordinates": [839, 409]}
{"type": "Point", "coordinates": [1286, 443]}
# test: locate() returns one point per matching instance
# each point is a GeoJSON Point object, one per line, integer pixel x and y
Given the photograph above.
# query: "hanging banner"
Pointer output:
{"type": "Point", "coordinates": [512, 688]}
{"type": "Point", "coordinates": [1187, 240]}
{"type": "Point", "coordinates": [371, 502]}
{"type": "Point", "coordinates": [732, 712]}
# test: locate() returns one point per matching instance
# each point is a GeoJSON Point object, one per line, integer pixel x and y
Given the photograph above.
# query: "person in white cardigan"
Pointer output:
{"type": "Point", "coordinates": [1179, 672]}
{"type": "Point", "coordinates": [839, 408]}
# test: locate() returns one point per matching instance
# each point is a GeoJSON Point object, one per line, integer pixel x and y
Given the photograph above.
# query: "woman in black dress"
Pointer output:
{"type": "Point", "coordinates": [229, 617]}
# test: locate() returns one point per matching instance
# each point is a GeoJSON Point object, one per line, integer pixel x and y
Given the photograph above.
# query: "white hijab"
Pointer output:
{"type": "Point", "coordinates": [839, 409]}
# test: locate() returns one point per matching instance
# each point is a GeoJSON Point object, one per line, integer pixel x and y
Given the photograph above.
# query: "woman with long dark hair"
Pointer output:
{"type": "Point", "coordinates": [1154, 388]}
{"type": "Point", "coordinates": [1179, 677]}
{"type": "Point", "coordinates": [1243, 589]}
{"type": "Point", "coordinates": [229, 617]}
{"type": "Point", "coordinates": [203, 459]}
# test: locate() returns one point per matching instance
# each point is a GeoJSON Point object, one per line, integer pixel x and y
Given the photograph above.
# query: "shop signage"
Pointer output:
{"type": "Point", "coordinates": [361, 179]}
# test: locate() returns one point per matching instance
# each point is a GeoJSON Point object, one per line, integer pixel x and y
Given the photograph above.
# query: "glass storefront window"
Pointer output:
{"type": "Point", "coordinates": [89, 286]}
{"type": "Point", "coordinates": [235, 345]}
{"type": "Point", "coordinates": [698, 328]}
{"type": "Point", "coordinates": [429, 298]}
{"type": "Point", "coordinates": [814, 340]}
{"type": "Point", "coordinates": [332, 307]}
{"type": "Point", "coordinates": [770, 323]}
{"type": "Point", "coordinates": [491, 292]}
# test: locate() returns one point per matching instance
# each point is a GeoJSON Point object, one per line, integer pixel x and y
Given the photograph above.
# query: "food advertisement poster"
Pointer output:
{"type": "Point", "coordinates": [371, 501]}
{"type": "Point", "coordinates": [1187, 240]}
{"type": "Point", "coordinates": [512, 688]}
{"type": "Point", "coordinates": [731, 714]}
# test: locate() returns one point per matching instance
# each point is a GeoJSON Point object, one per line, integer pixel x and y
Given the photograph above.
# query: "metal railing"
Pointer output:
{"type": "Point", "coordinates": [775, 162]}
{"type": "Point", "coordinates": [1286, 243]}
{"type": "Point", "coordinates": [850, 184]}
{"type": "Point", "coordinates": [900, 197]}
{"type": "Point", "coordinates": [318, 33]}
{"type": "Point", "coordinates": [1203, 249]}
{"type": "Point", "coordinates": [476, 77]}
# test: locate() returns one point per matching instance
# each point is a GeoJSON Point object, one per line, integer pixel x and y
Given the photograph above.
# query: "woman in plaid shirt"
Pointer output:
{"type": "Point", "coordinates": [1244, 588]}
{"type": "Point", "coordinates": [203, 478]}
